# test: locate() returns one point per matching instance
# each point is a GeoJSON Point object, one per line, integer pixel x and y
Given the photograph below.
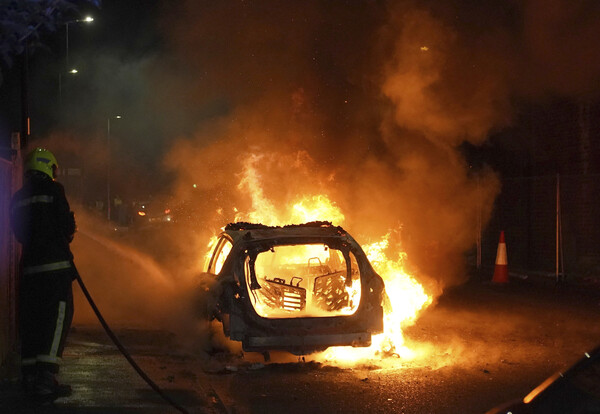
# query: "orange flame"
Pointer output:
{"type": "Point", "coordinates": [404, 296]}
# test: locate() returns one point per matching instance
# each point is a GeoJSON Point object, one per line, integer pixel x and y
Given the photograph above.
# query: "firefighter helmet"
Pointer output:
{"type": "Point", "coordinates": [42, 160]}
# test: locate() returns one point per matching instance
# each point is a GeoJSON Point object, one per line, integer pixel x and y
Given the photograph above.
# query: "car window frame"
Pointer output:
{"type": "Point", "coordinates": [223, 239]}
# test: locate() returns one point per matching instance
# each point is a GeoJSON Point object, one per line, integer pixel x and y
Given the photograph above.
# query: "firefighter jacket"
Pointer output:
{"type": "Point", "coordinates": [43, 223]}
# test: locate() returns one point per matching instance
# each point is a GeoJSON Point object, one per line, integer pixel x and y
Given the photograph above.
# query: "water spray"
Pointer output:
{"type": "Point", "coordinates": [128, 356]}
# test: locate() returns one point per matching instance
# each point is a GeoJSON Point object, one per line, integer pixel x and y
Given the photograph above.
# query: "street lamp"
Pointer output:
{"type": "Point", "coordinates": [87, 19]}
{"type": "Point", "coordinates": [70, 72]}
{"type": "Point", "coordinates": [108, 164]}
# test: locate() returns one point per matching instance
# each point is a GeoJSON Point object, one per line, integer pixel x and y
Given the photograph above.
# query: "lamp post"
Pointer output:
{"type": "Point", "coordinates": [108, 164]}
{"type": "Point", "coordinates": [67, 68]}
{"type": "Point", "coordinates": [87, 19]}
{"type": "Point", "coordinates": [70, 72]}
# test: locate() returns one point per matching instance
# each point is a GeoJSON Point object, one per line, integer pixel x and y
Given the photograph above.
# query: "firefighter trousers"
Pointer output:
{"type": "Point", "coordinates": [45, 315]}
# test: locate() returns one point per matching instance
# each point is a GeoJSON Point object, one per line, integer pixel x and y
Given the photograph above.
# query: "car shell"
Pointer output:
{"type": "Point", "coordinates": [299, 335]}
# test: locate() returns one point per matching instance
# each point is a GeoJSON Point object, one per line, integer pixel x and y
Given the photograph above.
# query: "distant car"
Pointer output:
{"type": "Point", "coordinates": [575, 391]}
{"type": "Point", "coordinates": [151, 213]}
{"type": "Point", "coordinates": [297, 288]}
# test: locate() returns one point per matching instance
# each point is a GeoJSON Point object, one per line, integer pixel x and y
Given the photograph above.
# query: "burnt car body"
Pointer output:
{"type": "Point", "coordinates": [297, 288]}
{"type": "Point", "coordinates": [575, 391]}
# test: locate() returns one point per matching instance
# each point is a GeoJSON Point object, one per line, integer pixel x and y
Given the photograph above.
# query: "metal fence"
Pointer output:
{"type": "Point", "coordinates": [9, 180]}
{"type": "Point", "coordinates": [551, 225]}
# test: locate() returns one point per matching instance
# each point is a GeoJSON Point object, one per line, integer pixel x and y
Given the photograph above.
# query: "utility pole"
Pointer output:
{"type": "Point", "coordinates": [25, 120]}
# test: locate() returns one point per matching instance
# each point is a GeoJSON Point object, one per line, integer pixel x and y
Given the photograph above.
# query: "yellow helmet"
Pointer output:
{"type": "Point", "coordinates": [42, 160]}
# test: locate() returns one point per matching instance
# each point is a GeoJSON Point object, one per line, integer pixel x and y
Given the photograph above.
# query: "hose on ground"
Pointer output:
{"type": "Point", "coordinates": [124, 351]}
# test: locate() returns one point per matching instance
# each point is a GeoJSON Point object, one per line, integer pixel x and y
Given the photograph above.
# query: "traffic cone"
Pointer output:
{"type": "Point", "coordinates": [501, 269]}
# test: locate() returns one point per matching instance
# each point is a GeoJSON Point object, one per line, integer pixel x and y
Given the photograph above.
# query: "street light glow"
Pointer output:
{"type": "Point", "coordinates": [88, 19]}
{"type": "Point", "coordinates": [73, 71]}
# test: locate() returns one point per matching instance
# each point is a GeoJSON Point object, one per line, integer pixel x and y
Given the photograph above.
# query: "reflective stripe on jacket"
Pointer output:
{"type": "Point", "coordinates": [31, 200]}
{"type": "Point", "coordinates": [48, 267]}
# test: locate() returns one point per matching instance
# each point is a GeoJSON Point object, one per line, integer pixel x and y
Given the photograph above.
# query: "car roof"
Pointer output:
{"type": "Point", "coordinates": [315, 229]}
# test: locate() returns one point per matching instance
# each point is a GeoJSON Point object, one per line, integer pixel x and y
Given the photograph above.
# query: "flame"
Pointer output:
{"type": "Point", "coordinates": [316, 208]}
{"type": "Point", "coordinates": [211, 245]}
{"type": "Point", "coordinates": [263, 210]}
{"type": "Point", "coordinates": [304, 209]}
{"type": "Point", "coordinates": [404, 296]}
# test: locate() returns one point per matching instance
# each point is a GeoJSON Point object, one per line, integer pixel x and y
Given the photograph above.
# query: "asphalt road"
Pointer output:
{"type": "Point", "coordinates": [478, 346]}
{"type": "Point", "coordinates": [481, 345]}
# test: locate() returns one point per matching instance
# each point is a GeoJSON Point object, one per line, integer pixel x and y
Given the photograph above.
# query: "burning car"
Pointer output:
{"type": "Point", "coordinates": [298, 288]}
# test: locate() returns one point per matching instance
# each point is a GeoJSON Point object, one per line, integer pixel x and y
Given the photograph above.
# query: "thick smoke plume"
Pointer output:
{"type": "Point", "coordinates": [366, 102]}
{"type": "Point", "coordinates": [368, 105]}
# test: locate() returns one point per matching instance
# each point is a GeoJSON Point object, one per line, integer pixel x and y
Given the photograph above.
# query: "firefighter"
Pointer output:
{"type": "Point", "coordinates": [43, 223]}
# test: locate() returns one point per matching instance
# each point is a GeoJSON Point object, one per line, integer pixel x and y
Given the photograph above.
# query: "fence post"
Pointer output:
{"type": "Point", "coordinates": [559, 244]}
{"type": "Point", "coordinates": [479, 225]}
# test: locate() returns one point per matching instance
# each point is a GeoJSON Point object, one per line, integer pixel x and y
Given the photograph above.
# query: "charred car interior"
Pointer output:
{"type": "Point", "coordinates": [299, 288]}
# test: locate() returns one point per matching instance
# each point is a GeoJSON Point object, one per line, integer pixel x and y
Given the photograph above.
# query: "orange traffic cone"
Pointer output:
{"type": "Point", "coordinates": [501, 270]}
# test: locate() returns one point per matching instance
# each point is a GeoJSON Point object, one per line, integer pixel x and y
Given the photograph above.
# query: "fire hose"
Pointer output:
{"type": "Point", "coordinates": [124, 351]}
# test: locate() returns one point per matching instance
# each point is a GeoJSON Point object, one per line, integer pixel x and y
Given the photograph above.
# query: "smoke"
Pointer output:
{"type": "Point", "coordinates": [136, 276]}
{"type": "Point", "coordinates": [439, 83]}
{"type": "Point", "coordinates": [366, 102]}
{"type": "Point", "coordinates": [133, 285]}
{"type": "Point", "coordinates": [559, 55]}
{"type": "Point", "coordinates": [89, 154]}
{"type": "Point", "coordinates": [129, 286]}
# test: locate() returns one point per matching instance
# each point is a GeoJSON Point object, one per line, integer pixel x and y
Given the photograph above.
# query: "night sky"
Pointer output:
{"type": "Point", "coordinates": [201, 60]}
{"type": "Point", "coordinates": [106, 53]}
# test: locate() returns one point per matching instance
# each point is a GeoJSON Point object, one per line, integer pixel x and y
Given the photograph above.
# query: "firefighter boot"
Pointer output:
{"type": "Point", "coordinates": [48, 389]}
